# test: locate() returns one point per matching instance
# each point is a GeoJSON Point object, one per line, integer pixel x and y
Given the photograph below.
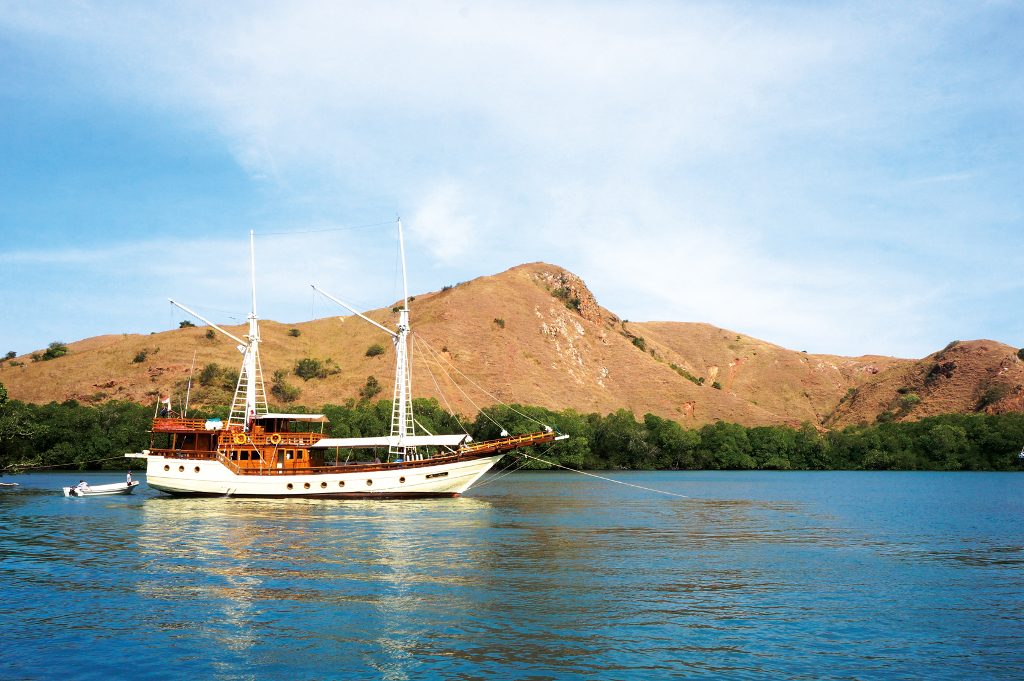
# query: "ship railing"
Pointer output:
{"type": "Point", "coordinates": [229, 464]}
{"type": "Point", "coordinates": [266, 439]}
{"type": "Point", "coordinates": [360, 466]}
{"type": "Point", "coordinates": [183, 454]}
{"type": "Point", "coordinates": [511, 442]}
{"type": "Point", "coordinates": [173, 424]}
{"type": "Point", "coordinates": [268, 467]}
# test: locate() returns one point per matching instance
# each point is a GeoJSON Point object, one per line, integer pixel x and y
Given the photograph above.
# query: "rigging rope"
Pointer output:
{"type": "Point", "coordinates": [233, 315]}
{"type": "Point", "coordinates": [480, 388]}
{"type": "Point", "coordinates": [601, 477]}
{"type": "Point", "coordinates": [444, 398]}
{"type": "Point", "coordinates": [17, 467]}
{"type": "Point", "coordinates": [459, 387]}
{"type": "Point", "coordinates": [346, 228]}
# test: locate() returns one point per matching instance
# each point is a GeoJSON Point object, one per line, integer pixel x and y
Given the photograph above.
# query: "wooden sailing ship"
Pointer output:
{"type": "Point", "coordinates": [257, 453]}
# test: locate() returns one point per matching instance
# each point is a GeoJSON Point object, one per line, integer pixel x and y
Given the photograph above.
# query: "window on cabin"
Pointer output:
{"type": "Point", "coordinates": [244, 456]}
{"type": "Point", "coordinates": [288, 453]}
{"type": "Point", "coordinates": [234, 456]}
{"type": "Point", "coordinates": [298, 454]}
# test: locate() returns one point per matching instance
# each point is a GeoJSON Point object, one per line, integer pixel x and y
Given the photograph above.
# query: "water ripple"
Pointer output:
{"type": "Point", "coordinates": [794, 576]}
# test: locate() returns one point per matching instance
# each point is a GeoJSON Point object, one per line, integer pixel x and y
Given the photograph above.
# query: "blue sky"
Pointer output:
{"type": "Point", "coordinates": [831, 177]}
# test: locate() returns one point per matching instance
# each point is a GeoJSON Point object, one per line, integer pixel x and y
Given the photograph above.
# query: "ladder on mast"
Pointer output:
{"type": "Point", "coordinates": [241, 401]}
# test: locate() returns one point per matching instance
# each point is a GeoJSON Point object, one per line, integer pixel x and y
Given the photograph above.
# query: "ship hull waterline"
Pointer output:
{"type": "Point", "coordinates": [211, 478]}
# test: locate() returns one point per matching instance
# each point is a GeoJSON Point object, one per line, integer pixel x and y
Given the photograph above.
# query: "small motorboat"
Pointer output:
{"type": "Point", "coordinates": [101, 490]}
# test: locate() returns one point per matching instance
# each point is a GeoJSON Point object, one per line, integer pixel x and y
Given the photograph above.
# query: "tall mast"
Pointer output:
{"type": "Point", "coordinates": [401, 411]}
{"type": "Point", "coordinates": [401, 414]}
{"type": "Point", "coordinates": [405, 279]}
{"type": "Point", "coordinates": [252, 271]}
{"type": "Point", "coordinates": [250, 398]}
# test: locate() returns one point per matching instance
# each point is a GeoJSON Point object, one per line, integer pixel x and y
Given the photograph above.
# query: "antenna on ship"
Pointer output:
{"type": "Point", "coordinates": [250, 398]}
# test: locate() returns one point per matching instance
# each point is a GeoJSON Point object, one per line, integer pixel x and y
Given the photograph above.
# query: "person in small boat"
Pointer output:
{"type": "Point", "coordinates": [129, 477]}
{"type": "Point", "coordinates": [82, 486]}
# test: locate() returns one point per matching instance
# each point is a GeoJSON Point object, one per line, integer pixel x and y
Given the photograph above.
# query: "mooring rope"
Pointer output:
{"type": "Point", "coordinates": [499, 476]}
{"type": "Point", "coordinates": [601, 477]}
{"type": "Point", "coordinates": [507, 472]}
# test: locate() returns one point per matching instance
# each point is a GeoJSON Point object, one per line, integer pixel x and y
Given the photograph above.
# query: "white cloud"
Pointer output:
{"type": "Point", "coordinates": [763, 150]}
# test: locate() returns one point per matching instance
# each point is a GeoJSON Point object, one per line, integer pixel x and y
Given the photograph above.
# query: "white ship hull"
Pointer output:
{"type": "Point", "coordinates": [212, 478]}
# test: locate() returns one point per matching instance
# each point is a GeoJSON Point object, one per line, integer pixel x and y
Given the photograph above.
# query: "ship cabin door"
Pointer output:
{"type": "Point", "coordinates": [280, 459]}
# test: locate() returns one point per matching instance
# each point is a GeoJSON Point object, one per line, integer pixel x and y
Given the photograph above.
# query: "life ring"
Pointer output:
{"type": "Point", "coordinates": [239, 438]}
{"type": "Point", "coordinates": [275, 438]}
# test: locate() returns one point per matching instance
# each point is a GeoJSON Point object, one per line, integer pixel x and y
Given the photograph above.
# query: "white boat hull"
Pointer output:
{"type": "Point", "coordinates": [212, 478]}
{"type": "Point", "coordinates": [102, 490]}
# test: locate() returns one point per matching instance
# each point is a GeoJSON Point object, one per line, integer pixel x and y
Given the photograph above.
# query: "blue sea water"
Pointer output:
{"type": "Point", "coordinates": [532, 576]}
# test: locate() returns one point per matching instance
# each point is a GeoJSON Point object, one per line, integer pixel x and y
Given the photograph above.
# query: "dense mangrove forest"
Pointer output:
{"type": "Point", "coordinates": [72, 435]}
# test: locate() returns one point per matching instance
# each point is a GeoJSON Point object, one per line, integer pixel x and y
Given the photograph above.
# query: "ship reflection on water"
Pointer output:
{"type": "Point", "coordinates": [522, 579]}
{"type": "Point", "coordinates": [354, 573]}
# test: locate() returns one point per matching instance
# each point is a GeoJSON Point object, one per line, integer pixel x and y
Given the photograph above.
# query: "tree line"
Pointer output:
{"type": "Point", "coordinates": [74, 435]}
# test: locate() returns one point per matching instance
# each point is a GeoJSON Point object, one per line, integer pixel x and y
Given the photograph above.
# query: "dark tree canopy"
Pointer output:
{"type": "Point", "coordinates": [75, 435]}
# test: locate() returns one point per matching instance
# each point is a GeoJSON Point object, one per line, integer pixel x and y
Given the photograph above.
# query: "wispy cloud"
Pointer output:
{"type": "Point", "coordinates": [941, 179]}
{"type": "Point", "coordinates": [126, 288]}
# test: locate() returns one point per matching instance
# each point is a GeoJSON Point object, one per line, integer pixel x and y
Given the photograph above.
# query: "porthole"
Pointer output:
{"type": "Point", "coordinates": [305, 486]}
{"type": "Point", "coordinates": [289, 485]}
{"type": "Point", "coordinates": [369, 483]}
{"type": "Point", "coordinates": [197, 469]}
{"type": "Point", "coordinates": [341, 483]}
{"type": "Point", "coordinates": [323, 485]}
{"type": "Point", "coordinates": [181, 469]}
{"type": "Point", "coordinates": [402, 479]}
{"type": "Point", "coordinates": [167, 468]}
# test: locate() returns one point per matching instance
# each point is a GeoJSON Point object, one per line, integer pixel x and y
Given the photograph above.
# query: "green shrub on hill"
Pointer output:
{"type": "Point", "coordinates": [309, 367]}
{"type": "Point", "coordinates": [371, 388]}
{"type": "Point", "coordinates": [282, 389]}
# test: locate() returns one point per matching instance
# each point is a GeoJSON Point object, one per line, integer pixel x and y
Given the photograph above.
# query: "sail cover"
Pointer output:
{"type": "Point", "coordinates": [315, 418]}
{"type": "Point", "coordinates": [393, 441]}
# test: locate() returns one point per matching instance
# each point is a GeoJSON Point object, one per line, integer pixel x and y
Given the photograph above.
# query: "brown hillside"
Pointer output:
{"type": "Point", "coordinates": [963, 377]}
{"type": "Point", "coordinates": [536, 335]}
{"type": "Point", "coordinates": [801, 386]}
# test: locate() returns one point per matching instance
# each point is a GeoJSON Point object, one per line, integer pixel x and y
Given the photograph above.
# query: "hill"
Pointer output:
{"type": "Point", "coordinates": [963, 377]}
{"type": "Point", "coordinates": [535, 334]}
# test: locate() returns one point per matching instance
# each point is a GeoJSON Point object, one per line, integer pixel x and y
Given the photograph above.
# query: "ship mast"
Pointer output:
{"type": "Point", "coordinates": [250, 398]}
{"type": "Point", "coordinates": [401, 410]}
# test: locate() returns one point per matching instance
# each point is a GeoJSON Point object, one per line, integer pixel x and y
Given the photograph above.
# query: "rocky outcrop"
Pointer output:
{"type": "Point", "coordinates": [571, 290]}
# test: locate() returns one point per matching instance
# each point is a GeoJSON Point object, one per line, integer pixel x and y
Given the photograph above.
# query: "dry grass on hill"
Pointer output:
{"type": "Point", "coordinates": [536, 335]}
